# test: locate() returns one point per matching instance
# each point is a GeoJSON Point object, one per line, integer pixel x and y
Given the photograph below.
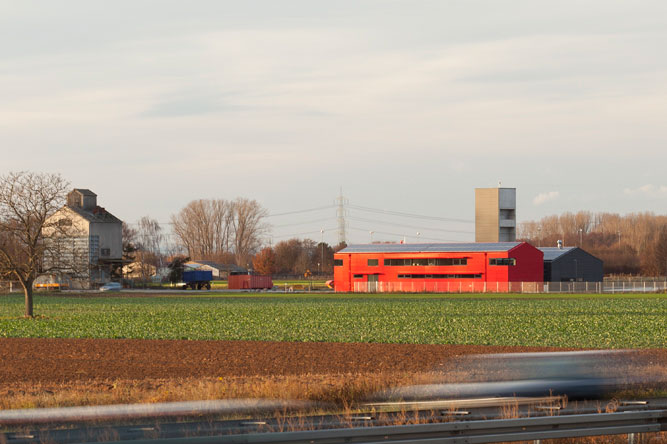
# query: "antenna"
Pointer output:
{"type": "Point", "coordinates": [340, 213]}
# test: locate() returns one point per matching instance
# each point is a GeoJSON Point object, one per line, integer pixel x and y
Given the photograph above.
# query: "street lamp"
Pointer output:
{"type": "Point", "coordinates": [321, 249]}
{"type": "Point", "coordinates": [539, 237]}
{"type": "Point", "coordinates": [581, 237]}
{"type": "Point", "coordinates": [371, 233]}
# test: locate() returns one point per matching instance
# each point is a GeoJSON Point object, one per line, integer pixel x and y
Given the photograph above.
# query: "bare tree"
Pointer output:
{"type": "Point", "coordinates": [203, 227]}
{"type": "Point", "coordinates": [211, 229]}
{"type": "Point", "coordinates": [631, 243]}
{"type": "Point", "coordinates": [248, 227]}
{"type": "Point", "coordinates": [149, 251]}
{"type": "Point", "coordinates": [27, 202]}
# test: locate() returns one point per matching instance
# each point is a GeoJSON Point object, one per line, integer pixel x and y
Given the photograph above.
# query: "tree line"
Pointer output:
{"type": "Point", "coordinates": [634, 243]}
{"type": "Point", "coordinates": [227, 232]}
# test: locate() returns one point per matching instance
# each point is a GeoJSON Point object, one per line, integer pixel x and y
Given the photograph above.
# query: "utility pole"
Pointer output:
{"type": "Point", "coordinates": [340, 213]}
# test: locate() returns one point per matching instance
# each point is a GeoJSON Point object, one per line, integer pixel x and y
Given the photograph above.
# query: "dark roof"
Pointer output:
{"type": "Point", "coordinates": [553, 253]}
{"type": "Point", "coordinates": [97, 214]}
{"type": "Point", "coordinates": [85, 191]}
{"type": "Point", "coordinates": [461, 247]}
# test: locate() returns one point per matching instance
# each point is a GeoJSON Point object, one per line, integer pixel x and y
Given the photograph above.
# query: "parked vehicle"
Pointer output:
{"type": "Point", "coordinates": [197, 279]}
{"type": "Point", "coordinates": [247, 281]}
{"type": "Point", "coordinates": [111, 286]}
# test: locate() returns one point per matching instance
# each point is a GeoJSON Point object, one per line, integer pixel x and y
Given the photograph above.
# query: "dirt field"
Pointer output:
{"type": "Point", "coordinates": [53, 372]}
{"type": "Point", "coordinates": [65, 360]}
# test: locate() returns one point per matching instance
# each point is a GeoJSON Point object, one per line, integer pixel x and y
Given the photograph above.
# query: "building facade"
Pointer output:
{"type": "Point", "coordinates": [495, 214]}
{"type": "Point", "coordinates": [89, 244]}
{"type": "Point", "coordinates": [455, 267]}
{"type": "Point", "coordinates": [571, 264]}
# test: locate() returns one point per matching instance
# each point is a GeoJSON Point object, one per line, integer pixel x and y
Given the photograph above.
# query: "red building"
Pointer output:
{"type": "Point", "coordinates": [455, 267]}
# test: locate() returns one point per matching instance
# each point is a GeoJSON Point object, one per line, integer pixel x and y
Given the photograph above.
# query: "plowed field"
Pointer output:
{"type": "Point", "coordinates": [60, 372]}
{"type": "Point", "coordinates": [66, 360]}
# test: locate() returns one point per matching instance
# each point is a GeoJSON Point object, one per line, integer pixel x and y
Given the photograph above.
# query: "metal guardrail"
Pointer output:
{"type": "Point", "coordinates": [483, 431]}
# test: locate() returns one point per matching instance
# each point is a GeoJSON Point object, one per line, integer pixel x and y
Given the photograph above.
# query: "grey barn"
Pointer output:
{"type": "Point", "coordinates": [571, 264]}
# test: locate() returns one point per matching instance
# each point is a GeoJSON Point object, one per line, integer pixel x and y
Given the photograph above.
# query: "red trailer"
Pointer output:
{"type": "Point", "coordinates": [246, 281]}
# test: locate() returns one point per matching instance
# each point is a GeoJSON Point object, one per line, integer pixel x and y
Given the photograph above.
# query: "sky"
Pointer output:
{"type": "Point", "coordinates": [403, 106]}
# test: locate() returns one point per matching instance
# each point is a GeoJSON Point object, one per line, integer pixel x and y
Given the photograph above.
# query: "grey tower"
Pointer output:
{"type": "Point", "coordinates": [495, 214]}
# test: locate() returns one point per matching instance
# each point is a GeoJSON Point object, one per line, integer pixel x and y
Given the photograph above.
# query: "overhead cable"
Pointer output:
{"type": "Point", "coordinates": [412, 215]}
{"type": "Point", "coordinates": [409, 226]}
{"type": "Point", "coordinates": [301, 211]}
{"type": "Point", "coordinates": [403, 235]}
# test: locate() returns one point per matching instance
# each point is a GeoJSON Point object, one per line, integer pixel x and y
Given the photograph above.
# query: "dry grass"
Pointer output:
{"type": "Point", "coordinates": [341, 390]}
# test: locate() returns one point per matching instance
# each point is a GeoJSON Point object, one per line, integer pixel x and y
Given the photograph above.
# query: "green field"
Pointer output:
{"type": "Point", "coordinates": [532, 320]}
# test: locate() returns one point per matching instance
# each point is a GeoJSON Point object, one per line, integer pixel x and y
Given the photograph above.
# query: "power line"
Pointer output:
{"type": "Point", "coordinates": [410, 226]}
{"type": "Point", "coordinates": [340, 213]}
{"type": "Point", "coordinates": [404, 235]}
{"type": "Point", "coordinates": [301, 211]}
{"type": "Point", "coordinates": [412, 215]}
{"type": "Point", "coordinates": [302, 223]}
{"type": "Point", "coordinates": [303, 234]}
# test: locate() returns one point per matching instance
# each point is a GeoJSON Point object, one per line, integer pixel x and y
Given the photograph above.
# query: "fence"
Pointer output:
{"type": "Point", "coordinates": [10, 286]}
{"type": "Point", "coordinates": [510, 287]}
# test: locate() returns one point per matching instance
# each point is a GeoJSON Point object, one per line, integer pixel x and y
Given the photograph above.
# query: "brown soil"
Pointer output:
{"type": "Point", "coordinates": [66, 360]}
{"type": "Point", "coordinates": [61, 372]}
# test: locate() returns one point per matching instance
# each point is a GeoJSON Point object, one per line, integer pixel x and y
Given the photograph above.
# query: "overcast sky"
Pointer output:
{"type": "Point", "coordinates": [406, 105]}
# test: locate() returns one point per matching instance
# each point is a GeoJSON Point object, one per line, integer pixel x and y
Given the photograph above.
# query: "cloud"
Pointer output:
{"type": "Point", "coordinates": [647, 190]}
{"type": "Point", "coordinates": [545, 197]}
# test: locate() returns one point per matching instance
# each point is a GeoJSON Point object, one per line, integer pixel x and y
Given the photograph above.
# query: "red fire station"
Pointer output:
{"type": "Point", "coordinates": [450, 267]}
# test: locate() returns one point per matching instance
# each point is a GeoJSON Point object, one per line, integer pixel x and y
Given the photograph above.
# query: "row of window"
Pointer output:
{"type": "Point", "coordinates": [440, 276]}
{"type": "Point", "coordinates": [510, 261]}
{"type": "Point", "coordinates": [431, 276]}
{"type": "Point", "coordinates": [423, 262]}
{"type": "Point", "coordinates": [507, 261]}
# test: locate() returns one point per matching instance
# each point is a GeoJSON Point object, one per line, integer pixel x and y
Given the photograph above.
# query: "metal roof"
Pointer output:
{"type": "Point", "coordinates": [461, 247]}
{"type": "Point", "coordinates": [219, 266]}
{"type": "Point", "coordinates": [97, 214]}
{"type": "Point", "coordinates": [85, 191]}
{"type": "Point", "coordinates": [553, 253]}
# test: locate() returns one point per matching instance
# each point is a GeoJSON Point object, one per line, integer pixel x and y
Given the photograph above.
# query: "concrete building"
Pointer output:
{"type": "Point", "coordinates": [571, 264]}
{"type": "Point", "coordinates": [88, 244]}
{"type": "Point", "coordinates": [495, 214]}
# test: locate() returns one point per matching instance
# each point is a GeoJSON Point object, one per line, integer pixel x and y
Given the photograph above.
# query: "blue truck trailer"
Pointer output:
{"type": "Point", "coordinates": [197, 279]}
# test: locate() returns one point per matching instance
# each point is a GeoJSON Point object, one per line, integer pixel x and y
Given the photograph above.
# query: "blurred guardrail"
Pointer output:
{"type": "Point", "coordinates": [487, 431]}
{"type": "Point", "coordinates": [629, 423]}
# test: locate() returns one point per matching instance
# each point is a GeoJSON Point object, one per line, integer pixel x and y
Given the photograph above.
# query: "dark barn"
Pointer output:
{"type": "Point", "coordinates": [571, 264]}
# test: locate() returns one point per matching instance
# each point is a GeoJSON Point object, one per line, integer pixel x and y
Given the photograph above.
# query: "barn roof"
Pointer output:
{"type": "Point", "coordinates": [97, 214]}
{"type": "Point", "coordinates": [457, 247]}
{"type": "Point", "coordinates": [553, 253]}
{"type": "Point", "coordinates": [85, 191]}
